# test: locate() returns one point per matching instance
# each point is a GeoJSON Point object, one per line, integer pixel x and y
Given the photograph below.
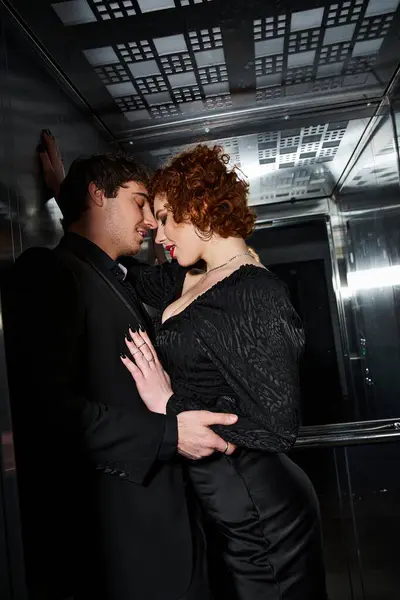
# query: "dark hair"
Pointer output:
{"type": "Point", "coordinates": [108, 171]}
{"type": "Point", "coordinates": [200, 187]}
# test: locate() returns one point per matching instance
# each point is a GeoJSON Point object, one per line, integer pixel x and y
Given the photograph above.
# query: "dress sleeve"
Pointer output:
{"type": "Point", "coordinates": [254, 338]}
{"type": "Point", "coordinates": [153, 284]}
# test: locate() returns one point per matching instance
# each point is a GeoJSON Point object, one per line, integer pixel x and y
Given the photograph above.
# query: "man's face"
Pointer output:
{"type": "Point", "coordinates": [129, 217]}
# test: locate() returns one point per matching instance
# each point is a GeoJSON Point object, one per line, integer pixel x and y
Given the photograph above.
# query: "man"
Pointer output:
{"type": "Point", "coordinates": [102, 496]}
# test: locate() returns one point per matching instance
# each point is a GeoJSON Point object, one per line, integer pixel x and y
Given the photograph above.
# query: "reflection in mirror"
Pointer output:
{"type": "Point", "coordinates": [297, 163]}
{"type": "Point", "coordinates": [370, 211]}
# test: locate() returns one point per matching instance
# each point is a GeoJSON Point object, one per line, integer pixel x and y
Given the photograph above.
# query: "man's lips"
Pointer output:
{"type": "Point", "coordinates": [142, 233]}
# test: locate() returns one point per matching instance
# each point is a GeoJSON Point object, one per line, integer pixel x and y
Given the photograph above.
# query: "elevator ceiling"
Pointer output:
{"type": "Point", "coordinates": [287, 87]}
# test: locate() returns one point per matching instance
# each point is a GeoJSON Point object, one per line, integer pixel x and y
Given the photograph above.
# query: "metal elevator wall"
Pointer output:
{"type": "Point", "coordinates": [30, 100]}
{"type": "Point", "coordinates": [358, 485]}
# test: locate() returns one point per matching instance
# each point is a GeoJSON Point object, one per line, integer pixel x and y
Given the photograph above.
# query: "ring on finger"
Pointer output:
{"type": "Point", "coordinates": [134, 347]}
{"type": "Point", "coordinates": [226, 449]}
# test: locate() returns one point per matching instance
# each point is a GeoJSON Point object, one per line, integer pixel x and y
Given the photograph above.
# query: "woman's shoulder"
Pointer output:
{"type": "Point", "coordinates": [255, 280]}
{"type": "Point", "coordinates": [247, 302]}
{"type": "Point", "coordinates": [251, 289]}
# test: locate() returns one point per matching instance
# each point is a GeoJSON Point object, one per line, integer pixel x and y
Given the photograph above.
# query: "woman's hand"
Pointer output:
{"type": "Point", "coordinates": [152, 382]}
{"type": "Point", "coordinates": [52, 164]}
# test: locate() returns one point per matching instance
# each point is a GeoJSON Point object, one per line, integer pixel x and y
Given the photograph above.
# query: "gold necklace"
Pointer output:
{"type": "Point", "coordinates": [204, 276]}
{"type": "Point", "coordinates": [224, 264]}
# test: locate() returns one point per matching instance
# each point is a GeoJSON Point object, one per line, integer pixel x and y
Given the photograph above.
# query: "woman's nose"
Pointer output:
{"type": "Point", "coordinates": [160, 237]}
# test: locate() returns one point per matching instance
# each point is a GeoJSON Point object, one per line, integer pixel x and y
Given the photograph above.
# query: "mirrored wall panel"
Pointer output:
{"type": "Point", "coordinates": [369, 205]}
{"type": "Point", "coordinates": [292, 163]}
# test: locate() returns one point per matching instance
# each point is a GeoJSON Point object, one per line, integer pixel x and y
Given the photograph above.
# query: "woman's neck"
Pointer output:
{"type": "Point", "coordinates": [218, 251]}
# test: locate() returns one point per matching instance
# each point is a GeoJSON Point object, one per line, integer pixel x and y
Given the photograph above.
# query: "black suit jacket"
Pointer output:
{"type": "Point", "coordinates": [103, 516]}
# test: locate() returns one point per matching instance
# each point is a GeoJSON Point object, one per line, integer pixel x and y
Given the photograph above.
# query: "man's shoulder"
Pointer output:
{"type": "Point", "coordinates": [35, 253]}
{"type": "Point", "coordinates": [41, 257]}
{"type": "Point", "coordinates": [33, 256]}
{"type": "Point", "coordinates": [45, 267]}
{"type": "Point", "coordinates": [41, 283]}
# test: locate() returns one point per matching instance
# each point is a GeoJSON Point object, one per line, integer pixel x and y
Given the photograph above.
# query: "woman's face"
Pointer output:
{"type": "Point", "coordinates": [180, 239]}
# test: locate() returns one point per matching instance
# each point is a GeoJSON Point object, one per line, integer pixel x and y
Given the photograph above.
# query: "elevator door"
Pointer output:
{"type": "Point", "coordinates": [299, 255]}
{"type": "Point", "coordinates": [319, 375]}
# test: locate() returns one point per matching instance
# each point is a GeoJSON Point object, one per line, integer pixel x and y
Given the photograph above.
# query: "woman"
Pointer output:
{"type": "Point", "coordinates": [230, 341]}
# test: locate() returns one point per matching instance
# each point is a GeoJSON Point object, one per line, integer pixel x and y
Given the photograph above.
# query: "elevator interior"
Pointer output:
{"type": "Point", "coordinates": [305, 97]}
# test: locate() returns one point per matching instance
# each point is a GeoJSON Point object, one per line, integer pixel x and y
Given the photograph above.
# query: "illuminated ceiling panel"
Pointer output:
{"type": "Point", "coordinates": [304, 162]}
{"type": "Point", "coordinates": [180, 69]}
{"type": "Point", "coordinates": [227, 58]}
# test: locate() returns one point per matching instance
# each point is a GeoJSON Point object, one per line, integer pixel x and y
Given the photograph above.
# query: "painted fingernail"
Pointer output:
{"type": "Point", "coordinates": [134, 329]}
{"type": "Point", "coordinates": [122, 355]}
{"type": "Point", "coordinates": [128, 337]}
{"type": "Point", "coordinates": [141, 328]}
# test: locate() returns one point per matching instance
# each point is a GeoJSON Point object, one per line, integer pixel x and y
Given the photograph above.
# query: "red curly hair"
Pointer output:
{"type": "Point", "coordinates": [200, 188]}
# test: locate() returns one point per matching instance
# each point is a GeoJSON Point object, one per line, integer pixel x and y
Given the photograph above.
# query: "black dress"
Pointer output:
{"type": "Point", "coordinates": [235, 349]}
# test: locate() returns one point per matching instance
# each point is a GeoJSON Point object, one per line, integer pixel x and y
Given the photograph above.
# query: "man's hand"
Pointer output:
{"type": "Point", "coordinates": [52, 164]}
{"type": "Point", "coordinates": [195, 438]}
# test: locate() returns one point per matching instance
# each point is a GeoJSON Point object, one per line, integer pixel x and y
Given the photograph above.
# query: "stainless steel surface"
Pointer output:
{"type": "Point", "coordinates": [305, 98]}
{"type": "Point", "coordinates": [349, 437]}
{"type": "Point", "coordinates": [30, 100]}
{"type": "Point", "coordinates": [58, 74]}
{"type": "Point", "coordinates": [335, 240]}
{"type": "Point", "coordinates": [376, 163]}
{"type": "Point", "coordinates": [169, 60]}
{"type": "Point", "coordinates": [278, 213]}
{"type": "Point", "coordinates": [298, 162]}
{"type": "Point", "coordinates": [369, 221]}
{"type": "Point", "coordinates": [287, 89]}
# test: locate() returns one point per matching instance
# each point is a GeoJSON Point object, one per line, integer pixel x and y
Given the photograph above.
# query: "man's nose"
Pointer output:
{"type": "Point", "coordinates": [150, 222]}
{"type": "Point", "coordinates": [148, 218]}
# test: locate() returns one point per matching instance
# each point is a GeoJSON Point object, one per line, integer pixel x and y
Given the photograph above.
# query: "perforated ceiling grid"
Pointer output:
{"type": "Point", "coordinates": [165, 77]}
{"type": "Point", "coordinates": [319, 50]}
{"type": "Point", "coordinates": [145, 63]}
{"type": "Point", "coordinates": [279, 165]}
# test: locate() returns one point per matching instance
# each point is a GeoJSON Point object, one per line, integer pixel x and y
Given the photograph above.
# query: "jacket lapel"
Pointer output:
{"type": "Point", "coordinates": [116, 291]}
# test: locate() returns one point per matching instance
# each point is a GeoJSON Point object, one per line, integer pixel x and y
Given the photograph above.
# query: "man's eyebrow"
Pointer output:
{"type": "Point", "coordinates": [143, 194]}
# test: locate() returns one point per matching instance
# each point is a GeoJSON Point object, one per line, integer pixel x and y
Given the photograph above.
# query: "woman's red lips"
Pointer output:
{"type": "Point", "coordinates": [171, 249]}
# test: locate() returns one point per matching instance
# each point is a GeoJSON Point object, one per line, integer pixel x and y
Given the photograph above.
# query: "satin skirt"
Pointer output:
{"type": "Point", "coordinates": [263, 527]}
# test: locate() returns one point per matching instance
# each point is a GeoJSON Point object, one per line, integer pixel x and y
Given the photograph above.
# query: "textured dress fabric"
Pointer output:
{"type": "Point", "coordinates": [235, 349]}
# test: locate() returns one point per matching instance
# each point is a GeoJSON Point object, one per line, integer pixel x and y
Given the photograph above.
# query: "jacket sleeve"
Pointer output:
{"type": "Point", "coordinates": [254, 339]}
{"type": "Point", "coordinates": [46, 352]}
{"type": "Point", "coordinates": [153, 284]}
